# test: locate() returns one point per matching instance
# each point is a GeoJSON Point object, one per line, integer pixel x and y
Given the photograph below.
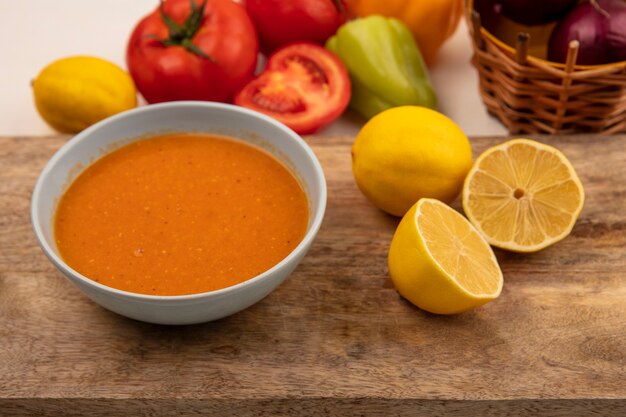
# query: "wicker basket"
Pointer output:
{"type": "Point", "coordinates": [532, 95]}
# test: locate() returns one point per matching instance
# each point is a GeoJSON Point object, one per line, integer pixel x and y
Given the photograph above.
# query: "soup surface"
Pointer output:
{"type": "Point", "coordinates": [180, 214]}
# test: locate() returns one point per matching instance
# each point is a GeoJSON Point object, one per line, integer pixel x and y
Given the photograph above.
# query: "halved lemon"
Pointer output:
{"type": "Point", "coordinates": [523, 195]}
{"type": "Point", "coordinates": [439, 261]}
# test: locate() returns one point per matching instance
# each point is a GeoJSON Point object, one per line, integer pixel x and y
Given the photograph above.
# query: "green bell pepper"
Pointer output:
{"type": "Point", "coordinates": [385, 65]}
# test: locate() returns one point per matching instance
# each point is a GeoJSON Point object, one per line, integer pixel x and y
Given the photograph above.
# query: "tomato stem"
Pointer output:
{"type": "Point", "coordinates": [182, 35]}
{"type": "Point", "coordinates": [339, 6]}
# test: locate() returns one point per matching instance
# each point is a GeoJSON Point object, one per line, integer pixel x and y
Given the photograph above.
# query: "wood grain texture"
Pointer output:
{"type": "Point", "coordinates": [335, 338]}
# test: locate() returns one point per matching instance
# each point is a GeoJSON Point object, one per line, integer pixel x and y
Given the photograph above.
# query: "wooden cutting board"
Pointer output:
{"type": "Point", "coordinates": [335, 338]}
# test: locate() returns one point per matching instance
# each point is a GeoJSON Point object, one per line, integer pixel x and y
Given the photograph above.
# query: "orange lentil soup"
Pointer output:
{"type": "Point", "coordinates": [180, 214]}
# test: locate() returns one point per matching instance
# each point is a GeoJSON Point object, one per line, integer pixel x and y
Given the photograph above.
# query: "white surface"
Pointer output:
{"type": "Point", "coordinates": [180, 116]}
{"type": "Point", "coordinates": [37, 32]}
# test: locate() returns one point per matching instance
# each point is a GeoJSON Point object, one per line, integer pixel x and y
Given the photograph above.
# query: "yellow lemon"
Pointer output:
{"type": "Point", "coordinates": [439, 261]}
{"type": "Point", "coordinates": [76, 92]}
{"type": "Point", "coordinates": [523, 195]}
{"type": "Point", "coordinates": [407, 153]}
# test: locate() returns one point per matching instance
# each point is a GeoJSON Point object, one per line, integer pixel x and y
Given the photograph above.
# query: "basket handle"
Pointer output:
{"type": "Point", "coordinates": [521, 48]}
{"type": "Point", "coordinates": [570, 62]}
{"type": "Point", "coordinates": [476, 25]}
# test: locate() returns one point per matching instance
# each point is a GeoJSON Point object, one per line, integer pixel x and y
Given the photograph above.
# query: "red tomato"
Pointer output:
{"type": "Point", "coordinates": [304, 86]}
{"type": "Point", "coordinates": [207, 52]}
{"type": "Point", "coordinates": [280, 22]}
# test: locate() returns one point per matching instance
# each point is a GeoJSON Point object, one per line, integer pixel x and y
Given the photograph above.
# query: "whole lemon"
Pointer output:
{"type": "Point", "coordinates": [407, 153]}
{"type": "Point", "coordinates": [76, 92]}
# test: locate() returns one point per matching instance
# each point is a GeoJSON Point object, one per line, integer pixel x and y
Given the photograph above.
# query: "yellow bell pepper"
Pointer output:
{"type": "Point", "coordinates": [430, 21]}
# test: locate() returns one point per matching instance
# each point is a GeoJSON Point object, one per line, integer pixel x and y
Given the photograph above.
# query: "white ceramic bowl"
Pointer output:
{"type": "Point", "coordinates": [188, 116]}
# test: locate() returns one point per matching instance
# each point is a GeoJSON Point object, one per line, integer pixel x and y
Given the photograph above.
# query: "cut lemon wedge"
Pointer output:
{"type": "Point", "coordinates": [523, 195]}
{"type": "Point", "coordinates": [439, 261]}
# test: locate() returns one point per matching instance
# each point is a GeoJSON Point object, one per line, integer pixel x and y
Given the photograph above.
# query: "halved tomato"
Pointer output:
{"type": "Point", "coordinates": [304, 86]}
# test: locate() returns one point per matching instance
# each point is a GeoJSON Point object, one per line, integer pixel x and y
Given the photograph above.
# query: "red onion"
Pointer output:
{"type": "Point", "coordinates": [533, 12]}
{"type": "Point", "coordinates": [600, 28]}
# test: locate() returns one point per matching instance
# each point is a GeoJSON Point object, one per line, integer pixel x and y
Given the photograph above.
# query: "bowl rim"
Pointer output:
{"type": "Point", "coordinates": [319, 210]}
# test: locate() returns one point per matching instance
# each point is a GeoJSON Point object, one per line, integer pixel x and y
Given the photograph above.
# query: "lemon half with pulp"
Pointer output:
{"type": "Point", "coordinates": [523, 195]}
{"type": "Point", "coordinates": [439, 261]}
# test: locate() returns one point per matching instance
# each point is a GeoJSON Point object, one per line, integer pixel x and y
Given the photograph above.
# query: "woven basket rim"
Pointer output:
{"type": "Point", "coordinates": [509, 49]}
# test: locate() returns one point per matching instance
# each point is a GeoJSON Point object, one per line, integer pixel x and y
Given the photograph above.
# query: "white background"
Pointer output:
{"type": "Point", "coordinates": [33, 33]}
